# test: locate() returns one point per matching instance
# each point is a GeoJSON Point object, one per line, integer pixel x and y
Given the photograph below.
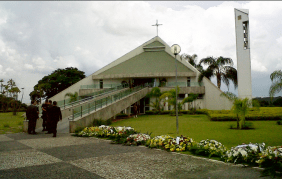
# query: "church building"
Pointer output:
{"type": "Point", "coordinates": [152, 63]}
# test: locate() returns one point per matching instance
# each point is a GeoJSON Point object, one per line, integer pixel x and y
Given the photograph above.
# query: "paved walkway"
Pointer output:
{"type": "Point", "coordinates": [42, 156]}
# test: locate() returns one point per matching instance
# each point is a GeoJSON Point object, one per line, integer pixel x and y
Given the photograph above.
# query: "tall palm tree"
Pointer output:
{"type": "Point", "coordinates": [192, 59]}
{"type": "Point", "coordinates": [276, 86]}
{"type": "Point", "coordinates": [221, 68]}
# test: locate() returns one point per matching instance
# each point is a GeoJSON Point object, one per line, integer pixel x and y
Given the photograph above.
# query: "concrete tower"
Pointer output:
{"type": "Point", "coordinates": [243, 53]}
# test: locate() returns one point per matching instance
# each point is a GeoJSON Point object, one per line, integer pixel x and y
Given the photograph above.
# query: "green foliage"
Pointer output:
{"type": "Point", "coordinates": [121, 116]}
{"type": "Point", "coordinates": [240, 109]}
{"type": "Point", "coordinates": [78, 129]}
{"type": "Point", "coordinates": [221, 68]}
{"type": "Point", "coordinates": [248, 125]}
{"type": "Point", "coordinates": [6, 125]}
{"type": "Point", "coordinates": [73, 96]}
{"type": "Point", "coordinates": [279, 122]}
{"type": "Point", "coordinates": [56, 82]}
{"type": "Point", "coordinates": [276, 79]}
{"type": "Point", "coordinates": [99, 122]}
{"type": "Point", "coordinates": [278, 102]}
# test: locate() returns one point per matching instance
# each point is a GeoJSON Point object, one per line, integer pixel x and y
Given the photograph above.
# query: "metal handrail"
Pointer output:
{"type": "Point", "coordinates": [106, 91]}
{"type": "Point", "coordinates": [97, 104]}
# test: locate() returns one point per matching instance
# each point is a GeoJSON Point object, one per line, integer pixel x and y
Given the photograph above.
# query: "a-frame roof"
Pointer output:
{"type": "Point", "coordinates": [152, 59]}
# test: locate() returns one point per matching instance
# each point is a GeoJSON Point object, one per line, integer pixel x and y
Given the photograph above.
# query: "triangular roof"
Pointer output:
{"type": "Point", "coordinates": [151, 59]}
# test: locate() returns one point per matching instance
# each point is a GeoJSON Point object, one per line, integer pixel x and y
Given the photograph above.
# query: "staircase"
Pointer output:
{"type": "Point", "coordinates": [104, 108]}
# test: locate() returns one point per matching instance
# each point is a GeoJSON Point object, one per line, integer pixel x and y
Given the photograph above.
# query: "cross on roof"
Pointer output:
{"type": "Point", "coordinates": [157, 26]}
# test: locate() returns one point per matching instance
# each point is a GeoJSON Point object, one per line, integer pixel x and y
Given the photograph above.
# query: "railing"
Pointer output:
{"type": "Point", "coordinates": [95, 86]}
{"type": "Point", "coordinates": [97, 104]}
{"type": "Point", "coordinates": [182, 84]}
{"type": "Point", "coordinates": [65, 103]}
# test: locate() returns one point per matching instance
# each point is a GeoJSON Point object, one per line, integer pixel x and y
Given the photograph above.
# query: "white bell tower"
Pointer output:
{"type": "Point", "coordinates": [243, 53]}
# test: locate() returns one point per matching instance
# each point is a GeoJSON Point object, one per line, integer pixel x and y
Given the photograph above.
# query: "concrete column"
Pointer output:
{"type": "Point", "coordinates": [186, 104]}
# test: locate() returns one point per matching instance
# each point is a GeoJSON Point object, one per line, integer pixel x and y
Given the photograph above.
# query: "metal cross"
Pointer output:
{"type": "Point", "coordinates": [157, 26]}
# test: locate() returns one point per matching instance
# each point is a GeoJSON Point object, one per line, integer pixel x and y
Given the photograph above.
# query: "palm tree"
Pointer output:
{"type": "Point", "coordinates": [221, 68]}
{"type": "Point", "coordinates": [192, 59]}
{"type": "Point", "coordinates": [155, 92]}
{"type": "Point", "coordinates": [73, 96]}
{"type": "Point", "coordinates": [276, 86]}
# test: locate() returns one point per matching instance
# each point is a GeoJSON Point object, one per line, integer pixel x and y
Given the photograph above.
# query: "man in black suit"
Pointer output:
{"type": "Point", "coordinates": [32, 115]}
{"type": "Point", "coordinates": [44, 115]}
{"type": "Point", "coordinates": [48, 121]}
{"type": "Point", "coordinates": [56, 115]}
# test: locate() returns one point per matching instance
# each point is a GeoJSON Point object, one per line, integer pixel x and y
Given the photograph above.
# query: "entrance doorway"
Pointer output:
{"type": "Point", "coordinates": [140, 81]}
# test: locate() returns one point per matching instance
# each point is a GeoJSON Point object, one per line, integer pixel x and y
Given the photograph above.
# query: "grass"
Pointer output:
{"type": "Point", "coordinates": [10, 123]}
{"type": "Point", "coordinates": [199, 127]}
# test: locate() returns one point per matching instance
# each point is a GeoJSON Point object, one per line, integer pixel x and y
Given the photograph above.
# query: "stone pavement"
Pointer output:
{"type": "Point", "coordinates": [42, 156]}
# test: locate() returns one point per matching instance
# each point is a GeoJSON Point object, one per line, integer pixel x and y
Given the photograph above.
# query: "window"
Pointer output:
{"type": "Point", "coordinates": [101, 84]}
{"type": "Point", "coordinates": [245, 30]}
{"type": "Point", "coordinates": [188, 81]}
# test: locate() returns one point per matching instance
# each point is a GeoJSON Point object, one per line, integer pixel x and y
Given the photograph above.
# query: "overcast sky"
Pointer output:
{"type": "Point", "coordinates": [36, 38]}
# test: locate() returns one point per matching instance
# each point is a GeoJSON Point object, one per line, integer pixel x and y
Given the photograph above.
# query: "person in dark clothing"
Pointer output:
{"type": "Point", "coordinates": [32, 115]}
{"type": "Point", "coordinates": [48, 121]}
{"type": "Point", "coordinates": [135, 110]}
{"type": "Point", "coordinates": [44, 115]}
{"type": "Point", "coordinates": [56, 115]}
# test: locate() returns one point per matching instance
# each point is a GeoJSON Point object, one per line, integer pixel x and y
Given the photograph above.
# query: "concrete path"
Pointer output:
{"type": "Point", "coordinates": [42, 156]}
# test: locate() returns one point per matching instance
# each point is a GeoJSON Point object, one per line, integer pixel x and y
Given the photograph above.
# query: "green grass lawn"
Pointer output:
{"type": "Point", "coordinates": [10, 123]}
{"type": "Point", "coordinates": [199, 127]}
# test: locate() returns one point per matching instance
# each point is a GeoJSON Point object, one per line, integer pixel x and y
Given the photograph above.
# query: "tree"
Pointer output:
{"type": "Point", "coordinates": [278, 102]}
{"type": "Point", "coordinates": [1, 81]}
{"type": "Point", "coordinates": [276, 86]}
{"type": "Point", "coordinates": [155, 92]}
{"type": "Point", "coordinates": [56, 82]}
{"type": "Point", "coordinates": [221, 68]}
{"type": "Point", "coordinates": [192, 60]}
{"type": "Point", "coordinates": [191, 97]}
{"type": "Point", "coordinates": [240, 107]}
{"type": "Point", "coordinates": [73, 96]}
{"type": "Point", "coordinates": [170, 97]}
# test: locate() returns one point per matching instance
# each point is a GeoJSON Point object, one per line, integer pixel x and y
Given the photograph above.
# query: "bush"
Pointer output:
{"type": "Point", "coordinates": [121, 116]}
{"type": "Point", "coordinates": [151, 112]}
{"type": "Point", "coordinates": [78, 129]}
{"type": "Point", "coordinates": [279, 122]}
{"type": "Point", "coordinates": [6, 125]}
{"type": "Point", "coordinates": [248, 125]}
{"type": "Point", "coordinates": [99, 122]}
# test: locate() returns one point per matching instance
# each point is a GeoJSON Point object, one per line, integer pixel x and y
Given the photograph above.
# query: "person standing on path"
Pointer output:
{"type": "Point", "coordinates": [44, 115]}
{"type": "Point", "coordinates": [48, 121]}
{"type": "Point", "coordinates": [56, 115]}
{"type": "Point", "coordinates": [135, 110]}
{"type": "Point", "coordinates": [32, 114]}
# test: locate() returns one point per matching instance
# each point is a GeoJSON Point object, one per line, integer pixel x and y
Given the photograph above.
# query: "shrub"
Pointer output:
{"type": "Point", "coordinates": [279, 122]}
{"type": "Point", "coordinates": [121, 116]}
{"type": "Point", "coordinates": [6, 125]}
{"type": "Point", "coordinates": [248, 125]}
{"type": "Point", "coordinates": [151, 112]}
{"type": "Point", "coordinates": [78, 129]}
{"type": "Point", "coordinates": [99, 122]}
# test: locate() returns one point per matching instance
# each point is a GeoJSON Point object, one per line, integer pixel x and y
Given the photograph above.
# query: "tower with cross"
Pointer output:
{"type": "Point", "coordinates": [157, 25]}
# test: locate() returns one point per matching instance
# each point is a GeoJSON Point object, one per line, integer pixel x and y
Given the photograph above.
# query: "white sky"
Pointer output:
{"type": "Point", "coordinates": [36, 38]}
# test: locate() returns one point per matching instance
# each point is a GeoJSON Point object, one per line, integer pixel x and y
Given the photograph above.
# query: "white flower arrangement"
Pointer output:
{"type": "Point", "coordinates": [245, 153]}
{"type": "Point", "coordinates": [210, 148]}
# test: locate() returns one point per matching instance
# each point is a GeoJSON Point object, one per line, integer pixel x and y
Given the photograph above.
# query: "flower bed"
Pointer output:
{"type": "Point", "coordinates": [209, 148]}
{"type": "Point", "coordinates": [253, 154]}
